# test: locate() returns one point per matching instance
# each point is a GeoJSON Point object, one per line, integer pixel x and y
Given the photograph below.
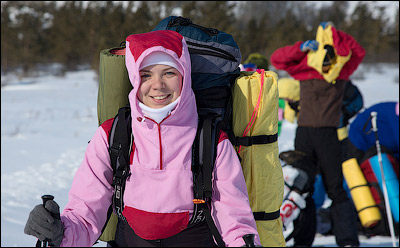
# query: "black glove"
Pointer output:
{"type": "Point", "coordinates": [44, 223]}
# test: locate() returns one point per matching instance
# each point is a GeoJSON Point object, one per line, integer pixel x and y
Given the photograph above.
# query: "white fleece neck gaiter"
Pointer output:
{"type": "Point", "coordinates": [158, 114]}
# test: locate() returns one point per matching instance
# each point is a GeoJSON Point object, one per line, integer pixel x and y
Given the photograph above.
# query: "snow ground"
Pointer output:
{"type": "Point", "coordinates": [47, 121]}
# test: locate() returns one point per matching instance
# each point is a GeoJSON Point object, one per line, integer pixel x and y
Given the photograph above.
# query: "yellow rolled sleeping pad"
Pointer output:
{"type": "Point", "coordinates": [367, 209]}
{"type": "Point", "coordinates": [255, 113]}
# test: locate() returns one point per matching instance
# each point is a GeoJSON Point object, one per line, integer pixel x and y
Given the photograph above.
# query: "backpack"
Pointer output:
{"type": "Point", "coordinates": [369, 167]}
{"type": "Point", "coordinates": [260, 61]}
{"type": "Point", "coordinates": [212, 86]}
{"type": "Point", "coordinates": [352, 103]}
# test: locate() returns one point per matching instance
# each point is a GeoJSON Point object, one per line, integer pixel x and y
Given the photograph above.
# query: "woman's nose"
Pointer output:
{"type": "Point", "coordinates": [158, 82]}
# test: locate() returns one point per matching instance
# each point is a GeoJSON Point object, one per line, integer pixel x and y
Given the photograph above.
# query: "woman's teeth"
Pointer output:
{"type": "Point", "coordinates": [159, 97]}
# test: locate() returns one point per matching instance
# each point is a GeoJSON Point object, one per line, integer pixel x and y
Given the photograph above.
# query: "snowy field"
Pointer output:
{"type": "Point", "coordinates": [47, 121]}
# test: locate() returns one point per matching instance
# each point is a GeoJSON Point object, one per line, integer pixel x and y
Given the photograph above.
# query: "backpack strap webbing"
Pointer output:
{"type": "Point", "coordinates": [204, 153]}
{"type": "Point", "coordinates": [120, 145]}
{"type": "Point", "coordinates": [255, 140]}
{"type": "Point", "coordinates": [208, 156]}
{"type": "Point", "coordinates": [267, 216]}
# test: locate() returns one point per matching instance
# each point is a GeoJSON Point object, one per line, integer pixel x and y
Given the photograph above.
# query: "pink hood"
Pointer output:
{"type": "Point", "coordinates": [181, 123]}
{"type": "Point", "coordinates": [163, 151]}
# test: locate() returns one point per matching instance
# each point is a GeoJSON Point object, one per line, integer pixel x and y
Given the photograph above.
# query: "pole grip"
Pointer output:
{"type": "Point", "coordinates": [373, 121]}
{"type": "Point", "coordinates": [45, 198]}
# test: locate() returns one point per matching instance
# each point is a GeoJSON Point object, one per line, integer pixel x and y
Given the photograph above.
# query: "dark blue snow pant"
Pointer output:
{"type": "Point", "coordinates": [323, 145]}
{"type": "Point", "coordinates": [196, 235]}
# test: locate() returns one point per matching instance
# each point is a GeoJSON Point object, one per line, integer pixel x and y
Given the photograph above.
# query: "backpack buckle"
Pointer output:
{"type": "Point", "coordinates": [113, 150]}
{"type": "Point", "coordinates": [198, 201]}
{"type": "Point", "coordinates": [116, 181]}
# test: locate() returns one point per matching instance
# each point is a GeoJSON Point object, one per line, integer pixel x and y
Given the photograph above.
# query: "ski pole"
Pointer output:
{"type": "Point", "coordinates": [44, 243]}
{"type": "Point", "coordinates": [249, 240]}
{"type": "Point", "coordinates": [385, 193]}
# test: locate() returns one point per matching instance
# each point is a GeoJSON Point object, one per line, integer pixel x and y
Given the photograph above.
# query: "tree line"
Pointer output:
{"type": "Point", "coordinates": [73, 33]}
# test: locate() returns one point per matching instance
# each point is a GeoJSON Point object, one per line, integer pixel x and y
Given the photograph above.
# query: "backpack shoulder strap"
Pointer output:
{"type": "Point", "coordinates": [204, 154]}
{"type": "Point", "coordinates": [120, 145]}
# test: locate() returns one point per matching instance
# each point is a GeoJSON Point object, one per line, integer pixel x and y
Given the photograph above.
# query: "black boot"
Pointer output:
{"type": "Point", "coordinates": [344, 223]}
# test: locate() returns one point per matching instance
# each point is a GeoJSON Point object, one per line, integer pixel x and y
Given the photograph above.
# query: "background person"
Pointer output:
{"type": "Point", "coordinates": [323, 67]}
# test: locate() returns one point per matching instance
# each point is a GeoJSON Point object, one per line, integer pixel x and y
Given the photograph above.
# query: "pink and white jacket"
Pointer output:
{"type": "Point", "coordinates": [159, 193]}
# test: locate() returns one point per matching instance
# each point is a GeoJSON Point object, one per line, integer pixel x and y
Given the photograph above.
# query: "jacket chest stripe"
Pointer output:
{"type": "Point", "coordinates": [159, 137]}
{"type": "Point", "coordinates": [159, 140]}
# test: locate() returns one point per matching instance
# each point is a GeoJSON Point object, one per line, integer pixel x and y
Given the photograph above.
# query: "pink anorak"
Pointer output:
{"type": "Point", "coordinates": [159, 192]}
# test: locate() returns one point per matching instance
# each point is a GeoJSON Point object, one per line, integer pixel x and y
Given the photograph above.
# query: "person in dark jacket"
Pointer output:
{"type": "Point", "coordinates": [323, 67]}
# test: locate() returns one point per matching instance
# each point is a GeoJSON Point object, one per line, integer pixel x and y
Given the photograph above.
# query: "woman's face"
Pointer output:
{"type": "Point", "coordinates": [160, 85]}
{"type": "Point", "coordinates": [325, 68]}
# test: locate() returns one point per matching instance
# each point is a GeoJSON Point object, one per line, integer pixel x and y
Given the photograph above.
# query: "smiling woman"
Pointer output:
{"type": "Point", "coordinates": [157, 198]}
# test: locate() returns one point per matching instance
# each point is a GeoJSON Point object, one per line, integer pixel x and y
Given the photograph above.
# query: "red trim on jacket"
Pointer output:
{"type": "Point", "coordinates": [107, 125]}
{"type": "Point", "coordinates": [151, 226]}
{"type": "Point", "coordinates": [222, 136]}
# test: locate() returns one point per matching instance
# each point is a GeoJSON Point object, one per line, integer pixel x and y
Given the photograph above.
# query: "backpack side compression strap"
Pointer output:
{"type": "Point", "coordinates": [266, 216]}
{"type": "Point", "coordinates": [254, 140]}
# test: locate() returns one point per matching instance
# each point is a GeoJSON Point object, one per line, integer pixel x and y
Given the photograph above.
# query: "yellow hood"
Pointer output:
{"type": "Point", "coordinates": [316, 58]}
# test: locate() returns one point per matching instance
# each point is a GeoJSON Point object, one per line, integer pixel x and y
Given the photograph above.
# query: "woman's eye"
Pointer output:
{"type": "Point", "coordinates": [145, 76]}
{"type": "Point", "coordinates": [170, 73]}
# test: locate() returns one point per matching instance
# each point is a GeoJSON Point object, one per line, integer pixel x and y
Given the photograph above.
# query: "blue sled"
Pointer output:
{"type": "Point", "coordinates": [392, 182]}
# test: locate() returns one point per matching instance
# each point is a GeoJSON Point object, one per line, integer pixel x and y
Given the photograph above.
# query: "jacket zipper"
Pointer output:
{"type": "Point", "coordinates": [159, 136]}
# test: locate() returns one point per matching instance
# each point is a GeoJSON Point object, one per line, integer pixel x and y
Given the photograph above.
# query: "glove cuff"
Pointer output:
{"type": "Point", "coordinates": [56, 242]}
